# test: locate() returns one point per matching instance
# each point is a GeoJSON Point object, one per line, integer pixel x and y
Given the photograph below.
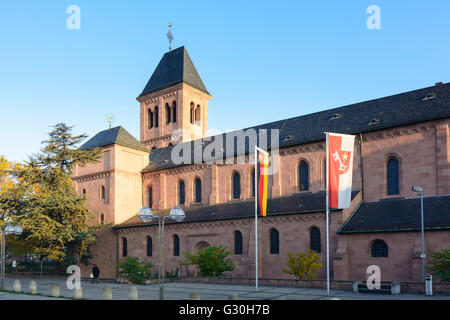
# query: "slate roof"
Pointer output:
{"type": "Point", "coordinates": [399, 215]}
{"type": "Point", "coordinates": [117, 135]}
{"type": "Point", "coordinates": [299, 203]}
{"type": "Point", "coordinates": [392, 111]}
{"type": "Point", "coordinates": [175, 67]}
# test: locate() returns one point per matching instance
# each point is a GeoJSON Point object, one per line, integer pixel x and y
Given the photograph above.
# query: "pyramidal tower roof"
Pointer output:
{"type": "Point", "coordinates": [174, 68]}
{"type": "Point", "coordinates": [117, 135]}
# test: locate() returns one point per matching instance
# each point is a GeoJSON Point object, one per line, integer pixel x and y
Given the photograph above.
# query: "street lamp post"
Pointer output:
{"type": "Point", "coordinates": [9, 229]}
{"type": "Point", "coordinates": [146, 215]}
{"type": "Point", "coordinates": [419, 190]}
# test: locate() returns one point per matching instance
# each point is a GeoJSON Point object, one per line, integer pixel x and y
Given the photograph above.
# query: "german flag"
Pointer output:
{"type": "Point", "coordinates": [262, 176]}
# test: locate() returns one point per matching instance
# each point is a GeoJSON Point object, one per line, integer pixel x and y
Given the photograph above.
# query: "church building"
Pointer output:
{"type": "Point", "coordinates": [401, 141]}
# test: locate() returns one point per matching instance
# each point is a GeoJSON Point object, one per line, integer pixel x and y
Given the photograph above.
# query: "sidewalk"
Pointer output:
{"type": "Point", "coordinates": [181, 291]}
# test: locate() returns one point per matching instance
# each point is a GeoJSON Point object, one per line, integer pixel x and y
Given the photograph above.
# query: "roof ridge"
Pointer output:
{"type": "Point", "coordinates": [175, 67]}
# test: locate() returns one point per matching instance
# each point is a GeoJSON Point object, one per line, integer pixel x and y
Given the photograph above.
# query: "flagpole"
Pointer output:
{"type": "Point", "coordinates": [327, 206]}
{"type": "Point", "coordinates": [256, 220]}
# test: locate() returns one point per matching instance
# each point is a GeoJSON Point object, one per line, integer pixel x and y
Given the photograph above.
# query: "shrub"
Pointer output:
{"type": "Point", "coordinates": [303, 265]}
{"type": "Point", "coordinates": [439, 265]}
{"type": "Point", "coordinates": [134, 271]}
{"type": "Point", "coordinates": [212, 261]}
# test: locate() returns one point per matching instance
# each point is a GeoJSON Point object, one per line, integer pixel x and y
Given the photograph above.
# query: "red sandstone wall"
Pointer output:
{"type": "Point", "coordinates": [104, 255]}
{"type": "Point", "coordinates": [293, 232]}
{"type": "Point", "coordinates": [416, 146]}
{"type": "Point", "coordinates": [403, 262]}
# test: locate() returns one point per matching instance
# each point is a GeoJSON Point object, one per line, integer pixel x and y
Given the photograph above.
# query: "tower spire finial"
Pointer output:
{"type": "Point", "coordinates": [169, 35]}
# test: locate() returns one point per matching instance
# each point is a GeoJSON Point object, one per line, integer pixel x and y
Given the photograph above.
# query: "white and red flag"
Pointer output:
{"type": "Point", "coordinates": [340, 168]}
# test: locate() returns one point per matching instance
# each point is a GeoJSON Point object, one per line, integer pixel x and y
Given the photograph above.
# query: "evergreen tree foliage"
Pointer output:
{"type": "Point", "coordinates": [43, 201]}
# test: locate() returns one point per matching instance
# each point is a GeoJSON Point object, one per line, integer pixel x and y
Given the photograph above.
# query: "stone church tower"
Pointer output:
{"type": "Point", "coordinates": [173, 108]}
{"type": "Point", "coordinates": [174, 103]}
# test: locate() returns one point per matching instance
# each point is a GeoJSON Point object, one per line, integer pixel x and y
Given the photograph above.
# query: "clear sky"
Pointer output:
{"type": "Point", "coordinates": [261, 60]}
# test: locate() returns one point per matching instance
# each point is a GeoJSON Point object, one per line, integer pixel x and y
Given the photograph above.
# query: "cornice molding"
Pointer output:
{"type": "Point", "coordinates": [398, 132]}
{"type": "Point", "coordinates": [93, 176]}
{"type": "Point", "coordinates": [166, 137]}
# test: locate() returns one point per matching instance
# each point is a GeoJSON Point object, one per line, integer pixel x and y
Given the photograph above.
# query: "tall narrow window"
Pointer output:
{"type": "Point", "coordinates": [192, 112]}
{"type": "Point", "coordinates": [379, 249]}
{"type": "Point", "coordinates": [237, 242]}
{"type": "Point", "coordinates": [197, 114]}
{"type": "Point", "coordinates": [174, 111]}
{"type": "Point", "coordinates": [303, 176]}
{"type": "Point", "coordinates": [236, 180]}
{"type": "Point", "coordinates": [181, 192]}
{"type": "Point", "coordinates": [103, 193]}
{"type": "Point", "coordinates": [252, 182]}
{"type": "Point", "coordinates": [198, 190]}
{"type": "Point", "coordinates": [392, 176]}
{"type": "Point", "coordinates": [324, 172]}
{"type": "Point", "coordinates": [314, 237]}
{"type": "Point", "coordinates": [150, 197]}
{"type": "Point", "coordinates": [274, 241]}
{"type": "Point", "coordinates": [124, 247]}
{"type": "Point", "coordinates": [150, 118]}
{"type": "Point", "coordinates": [84, 192]}
{"type": "Point", "coordinates": [156, 117]}
{"type": "Point", "coordinates": [176, 245]}
{"type": "Point", "coordinates": [168, 114]}
{"type": "Point", "coordinates": [149, 246]}
{"type": "Point", "coordinates": [102, 219]}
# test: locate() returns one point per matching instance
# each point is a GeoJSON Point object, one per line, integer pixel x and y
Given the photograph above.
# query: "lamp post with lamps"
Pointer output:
{"type": "Point", "coordinates": [419, 190]}
{"type": "Point", "coordinates": [146, 215]}
{"type": "Point", "coordinates": [9, 229]}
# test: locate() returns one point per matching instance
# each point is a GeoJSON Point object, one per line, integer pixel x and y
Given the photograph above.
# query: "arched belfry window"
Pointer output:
{"type": "Point", "coordinates": [174, 111]}
{"type": "Point", "coordinates": [237, 242]}
{"type": "Point", "coordinates": [192, 112]}
{"type": "Point", "coordinates": [274, 241]}
{"type": "Point", "coordinates": [198, 190]}
{"type": "Point", "coordinates": [150, 118]}
{"type": "Point", "coordinates": [124, 247]}
{"type": "Point", "coordinates": [392, 171]}
{"type": "Point", "coordinates": [181, 192]}
{"type": "Point", "coordinates": [303, 176]}
{"type": "Point", "coordinates": [176, 245]}
{"type": "Point", "coordinates": [379, 249]}
{"type": "Point", "coordinates": [149, 246]}
{"type": "Point", "coordinates": [236, 182]}
{"type": "Point", "coordinates": [156, 117]}
{"type": "Point", "coordinates": [314, 236]}
{"type": "Point", "coordinates": [168, 114]}
{"type": "Point", "coordinates": [197, 114]}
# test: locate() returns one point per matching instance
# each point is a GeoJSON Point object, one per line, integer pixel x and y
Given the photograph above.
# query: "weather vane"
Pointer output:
{"type": "Point", "coordinates": [109, 118]}
{"type": "Point", "coordinates": [169, 35]}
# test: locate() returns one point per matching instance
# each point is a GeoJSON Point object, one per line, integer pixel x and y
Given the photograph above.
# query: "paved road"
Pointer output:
{"type": "Point", "coordinates": [181, 291]}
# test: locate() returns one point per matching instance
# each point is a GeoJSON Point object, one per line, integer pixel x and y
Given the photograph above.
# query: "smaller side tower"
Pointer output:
{"type": "Point", "coordinates": [113, 186]}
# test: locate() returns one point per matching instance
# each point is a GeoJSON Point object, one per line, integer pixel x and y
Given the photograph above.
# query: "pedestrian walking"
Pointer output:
{"type": "Point", "coordinates": [95, 273]}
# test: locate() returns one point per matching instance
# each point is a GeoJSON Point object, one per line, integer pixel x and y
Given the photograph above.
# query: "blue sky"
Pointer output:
{"type": "Point", "coordinates": [261, 60]}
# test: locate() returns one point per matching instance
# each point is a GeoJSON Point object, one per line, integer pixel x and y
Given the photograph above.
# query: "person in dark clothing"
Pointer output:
{"type": "Point", "coordinates": [95, 273]}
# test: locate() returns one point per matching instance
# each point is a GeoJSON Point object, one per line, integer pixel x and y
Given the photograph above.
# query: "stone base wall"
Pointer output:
{"type": "Point", "coordinates": [441, 288]}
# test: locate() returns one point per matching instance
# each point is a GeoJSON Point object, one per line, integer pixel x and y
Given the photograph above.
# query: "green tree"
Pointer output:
{"type": "Point", "coordinates": [439, 265]}
{"type": "Point", "coordinates": [7, 181]}
{"type": "Point", "coordinates": [212, 261]}
{"type": "Point", "coordinates": [135, 271]}
{"type": "Point", "coordinates": [303, 265]}
{"type": "Point", "coordinates": [43, 201]}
